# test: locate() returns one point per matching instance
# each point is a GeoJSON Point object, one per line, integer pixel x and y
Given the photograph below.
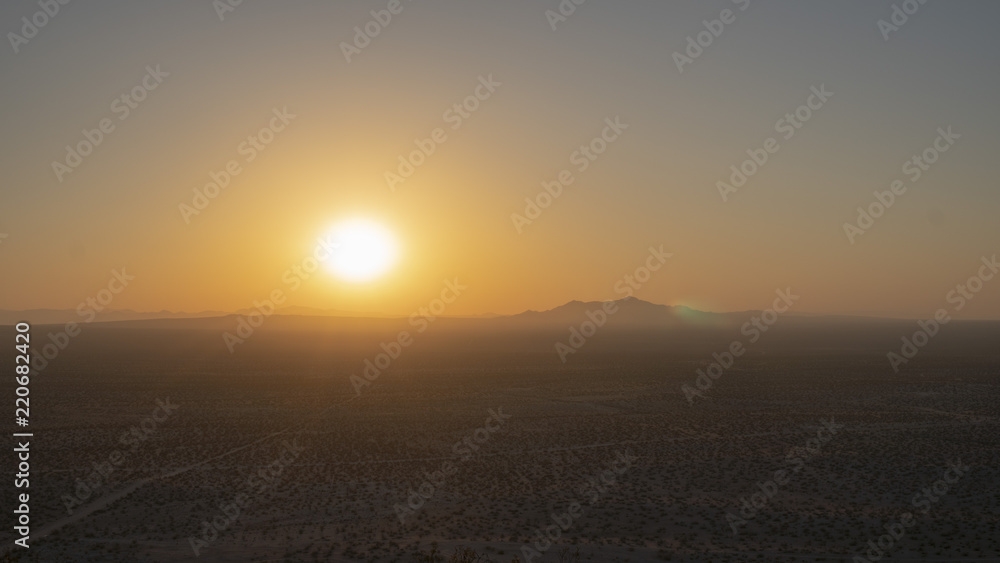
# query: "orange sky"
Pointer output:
{"type": "Point", "coordinates": [542, 94]}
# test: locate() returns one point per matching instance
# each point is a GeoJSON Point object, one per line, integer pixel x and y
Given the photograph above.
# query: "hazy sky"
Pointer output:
{"type": "Point", "coordinates": [220, 80]}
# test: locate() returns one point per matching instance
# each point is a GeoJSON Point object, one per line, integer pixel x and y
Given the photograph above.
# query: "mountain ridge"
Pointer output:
{"type": "Point", "coordinates": [627, 311]}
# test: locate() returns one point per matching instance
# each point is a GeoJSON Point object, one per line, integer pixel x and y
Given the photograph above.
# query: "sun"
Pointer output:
{"type": "Point", "coordinates": [363, 250]}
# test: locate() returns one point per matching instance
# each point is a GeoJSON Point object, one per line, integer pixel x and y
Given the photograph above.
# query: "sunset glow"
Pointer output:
{"type": "Point", "coordinates": [364, 250]}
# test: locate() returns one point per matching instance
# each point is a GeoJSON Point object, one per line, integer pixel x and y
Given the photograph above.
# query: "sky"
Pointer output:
{"type": "Point", "coordinates": [349, 107]}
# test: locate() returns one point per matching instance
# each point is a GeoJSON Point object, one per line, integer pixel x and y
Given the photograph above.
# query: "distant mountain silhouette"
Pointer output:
{"type": "Point", "coordinates": [628, 312]}
{"type": "Point", "coordinates": [315, 312]}
{"type": "Point", "coordinates": [62, 316]}
{"type": "Point", "coordinates": [637, 330]}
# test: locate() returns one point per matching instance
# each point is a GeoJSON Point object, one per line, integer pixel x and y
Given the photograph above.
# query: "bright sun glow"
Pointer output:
{"type": "Point", "coordinates": [364, 250]}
